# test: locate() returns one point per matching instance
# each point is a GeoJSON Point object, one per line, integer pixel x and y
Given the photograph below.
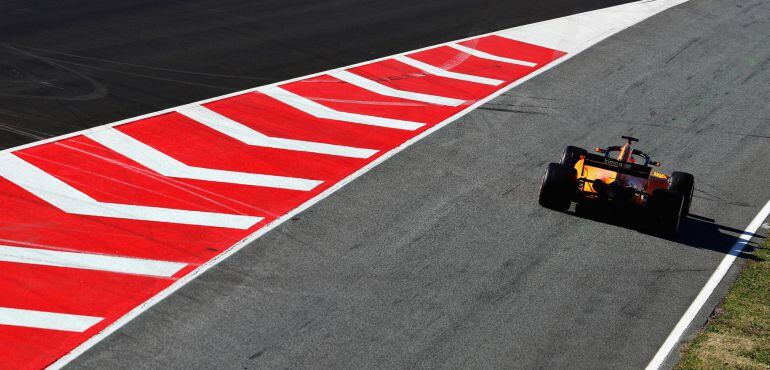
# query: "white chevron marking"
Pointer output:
{"type": "Point", "coordinates": [481, 54]}
{"type": "Point", "coordinates": [381, 89]}
{"type": "Point", "coordinates": [247, 135]}
{"type": "Point", "coordinates": [321, 111]}
{"type": "Point", "coordinates": [168, 166]}
{"type": "Point", "coordinates": [444, 73]}
{"type": "Point", "coordinates": [89, 261]}
{"type": "Point", "coordinates": [46, 320]}
{"type": "Point", "coordinates": [70, 200]}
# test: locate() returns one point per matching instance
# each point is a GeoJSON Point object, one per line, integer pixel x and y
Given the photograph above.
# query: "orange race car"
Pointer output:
{"type": "Point", "coordinates": [622, 183]}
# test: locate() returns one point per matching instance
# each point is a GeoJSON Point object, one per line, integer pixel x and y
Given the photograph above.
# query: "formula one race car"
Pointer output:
{"type": "Point", "coordinates": [622, 183]}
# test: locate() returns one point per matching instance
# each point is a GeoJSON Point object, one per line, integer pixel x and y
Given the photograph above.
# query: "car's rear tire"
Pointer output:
{"type": "Point", "coordinates": [666, 212]}
{"type": "Point", "coordinates": [683, 183]}
{"type": "Point", "coordinates": [558, 187]}
{"type": "Point", "coordinates": [571, 155]}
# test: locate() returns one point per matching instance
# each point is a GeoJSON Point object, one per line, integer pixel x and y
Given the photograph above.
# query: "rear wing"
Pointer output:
{"type": "Point", "coordinates": [626, 168]}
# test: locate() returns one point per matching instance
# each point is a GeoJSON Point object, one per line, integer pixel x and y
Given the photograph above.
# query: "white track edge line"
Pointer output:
{"type": "Point", "coordinates": [705, 293]}
{"type": "Point", "coordinates": [136, 311]}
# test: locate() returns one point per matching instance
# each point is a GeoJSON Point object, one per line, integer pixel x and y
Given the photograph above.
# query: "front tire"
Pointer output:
{"type": "Point", "coordinates": [558, 187]}
{"type": "Point", "coordinates": [683, 183]}
{"type": "Point", "coordinates": [666, 212]}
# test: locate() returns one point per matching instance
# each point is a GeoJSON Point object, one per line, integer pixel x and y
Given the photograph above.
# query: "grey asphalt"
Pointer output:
{"type": "Point", "coordinates": [441, 256]}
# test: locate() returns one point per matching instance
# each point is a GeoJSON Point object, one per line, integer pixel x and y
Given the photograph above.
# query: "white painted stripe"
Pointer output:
{"type": "Point", "coordinates": [481, 54]}
{"type": "Point", "coordinates": [247, 135]}
{"type": "Point", "coordinates": [636, 12]}
{"type": "Point", "coordinates": [381, 89]}
{"type": "Point", "coordinates": [321, 111]}
{"type": "Point", "coordinates": [71, 200]}
{"type": "Point", "coordinates": [676, 334]}
{"type": "Point", "coordinates": [428, 68]}
{"type": "Point", "coordinates": [167, 166]}
{"type": "Point", "coordinates": [89, 261]}
{"type": "Point", "coordinates": [46, 320]}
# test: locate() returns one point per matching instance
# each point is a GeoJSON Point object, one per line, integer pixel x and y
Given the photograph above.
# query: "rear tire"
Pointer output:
{"type": "Point", "coordinates": [558, 187]}
{"type": "Point", "coordinates": [683, 183]}
{"type": "Point", "coordinates": [666, 212]}
{"type": "Point", "coordinates": [571, 155]}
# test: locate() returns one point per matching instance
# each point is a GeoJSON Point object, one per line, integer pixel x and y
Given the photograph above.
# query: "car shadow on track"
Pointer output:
{"type": "Point", "coordinates": [703, 232]}
{"type": "Point", "coordinates": [694, 231]}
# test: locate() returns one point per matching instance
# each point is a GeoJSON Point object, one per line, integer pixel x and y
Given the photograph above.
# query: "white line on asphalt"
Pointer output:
{"type": "Point", "coordinates": [46, 320]}
{"type": "Point", "coordinates": [481, 54]}
{"type": "Point", "coordinates": [321, 111]}
{"type": "Point", "coordinates": [89, 261]}
{"type": "Point", "coordinates": [167, 166]}
{"type": "Point", "coordinates": [247, 135]}
{"type": "Point", "coordinates": [676, 334]}
{"type": "Point", "coordinates": [431, 69]}
{"type": "Point", "coordinates": [385, 90]}
{"type": "Point", "coordinates": [71, 200]}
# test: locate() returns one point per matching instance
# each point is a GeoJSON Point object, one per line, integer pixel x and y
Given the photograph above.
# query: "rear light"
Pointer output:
{"type": "Point", "coordinates": [599, 150]}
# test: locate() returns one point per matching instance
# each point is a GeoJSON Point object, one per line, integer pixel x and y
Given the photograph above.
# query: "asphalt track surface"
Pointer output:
{"type": "Point", "coordinates": [441, 256]}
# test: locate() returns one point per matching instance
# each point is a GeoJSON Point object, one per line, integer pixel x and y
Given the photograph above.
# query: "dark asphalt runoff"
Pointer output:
{"type": "Point", "coordinates": [440, 257]}
{"type": "Point", "coordinates": [70, 65]}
